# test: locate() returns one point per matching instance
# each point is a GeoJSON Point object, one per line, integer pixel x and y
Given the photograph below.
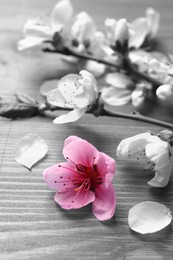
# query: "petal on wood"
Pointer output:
{"type": "Point", "coordinates": [149, 217]}
{"type": "Point", "coordinates": [30, 150]}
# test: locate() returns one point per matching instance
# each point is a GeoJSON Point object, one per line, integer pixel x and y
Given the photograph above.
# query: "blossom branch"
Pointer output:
{"type": "Point", "coordinates": [137, 116]}
{"type": "Point", "coordinates": [127, 65]}
{"type": "Point", "coordinates": [25, 110]}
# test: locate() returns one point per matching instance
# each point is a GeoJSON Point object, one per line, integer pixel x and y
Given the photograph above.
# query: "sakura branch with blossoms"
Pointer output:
{"type": "Point", "coordinates": [120, 52]}
{"type": "Point", "coordinates": [75, 92]}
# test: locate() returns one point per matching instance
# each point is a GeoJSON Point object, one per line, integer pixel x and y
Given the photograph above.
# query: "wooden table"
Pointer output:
{"type": "Point", "coordinates": [32, 225]}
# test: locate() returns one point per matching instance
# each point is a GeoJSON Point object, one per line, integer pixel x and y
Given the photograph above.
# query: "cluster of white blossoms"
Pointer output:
{"type": "Point", "coordinates": [120, 43]}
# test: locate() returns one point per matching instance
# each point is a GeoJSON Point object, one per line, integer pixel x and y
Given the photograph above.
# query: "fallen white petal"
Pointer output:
{"type": "Point", "coordinates": [30, 150]}
{"type": "Point", "coordinates": [133, 147]}
{"type": "Point", "coordinates": [159, 154]}
{"type": "Point", "coordinates": [149, 217]}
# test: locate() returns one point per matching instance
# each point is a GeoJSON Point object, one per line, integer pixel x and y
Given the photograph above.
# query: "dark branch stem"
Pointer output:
{"type": "Point", "coordinates": [138, 117]}
{"type": "Point", "coordinates": [128, 66]}
{"type": "Point", "coordinates": [134, 116]}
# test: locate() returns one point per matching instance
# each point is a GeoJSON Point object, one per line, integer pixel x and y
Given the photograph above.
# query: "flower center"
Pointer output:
{"type": "Point", "coordinates": [88, 178]}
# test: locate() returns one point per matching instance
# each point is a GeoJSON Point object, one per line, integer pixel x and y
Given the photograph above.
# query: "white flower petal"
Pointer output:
{"type": "Point", "coordinates": [48, 86]}
{"type": "Point", "coordinates": [165, 92]}
{"type": "Point", "coordinates": [137, 97]}
{"type": "Point", "coordinates": [140, 29]}
{"type": "Point", "coordinates": [61, 14]}
{"type": "Point", "coordinates": [149, 217]}
{"type": "Point", "coordinates": [140, 58]}
{"type": "Point", "coordinates": [159, 56]}
{"type": "Point", "coordinates": [83, 28]}
{"type": "Point", "coordinates": [38, 27]}
{"type": "Point", "coordinates": [152, 148]}
{"type": "Point", "coordinates": [30, 150]}
{"type": "Point", "coordinates": [97, 69]}
{"type": "Point", "coordinates": [158, 153]}
{"type": "Point", "coordinates": [56, 98]}
{"type": "Point", "coordinates": [153, 20]}
{"type": "Point", "coordinates": [133, 147]}
{"type": "Point", "coordinates": [122, 31]}
{"type": "Point", "coordinates": [71, 116]}
{"type": "Point", "coordinates": [110, 26]}
{"type": "Point", "coordinates": [29, 42]}
{"type": "Point", "coordinates": [115, 97]}
{"type": "Point", "coordinates": [170, 70]}
{"type": "Point", "coordinates": [119, 80]}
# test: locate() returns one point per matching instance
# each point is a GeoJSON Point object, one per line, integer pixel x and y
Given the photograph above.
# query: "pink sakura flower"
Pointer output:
{"type": "Point", "coordinates": [85, 177]}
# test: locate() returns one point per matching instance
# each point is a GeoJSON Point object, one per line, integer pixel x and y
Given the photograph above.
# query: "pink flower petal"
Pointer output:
{"type": "Point", "coordinates": [71, 138]}
{"type": "Point", "coordinates": [72, 116]}
{"type": "Point", "coordinates": [59, 177]}
{"type": "Point", "coordinates": [106, 167]}
{"type": "Point", "coordinates": [80, 151]}
{"type": "Point", "coordinates": [105, 202]}
{"type": "Point", "coordinates": [74, 200]}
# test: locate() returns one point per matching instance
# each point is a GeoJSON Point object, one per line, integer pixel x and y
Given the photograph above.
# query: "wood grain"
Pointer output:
{"type": "Point", "coordinates": [32, 226]}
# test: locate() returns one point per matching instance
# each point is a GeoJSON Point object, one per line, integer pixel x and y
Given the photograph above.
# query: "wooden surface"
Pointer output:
{"type": "Point", "coordinates": [32, 225]}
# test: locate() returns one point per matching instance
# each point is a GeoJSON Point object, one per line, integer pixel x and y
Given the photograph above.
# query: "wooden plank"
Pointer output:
{"type": "Point", "coordinates": [32, 226]}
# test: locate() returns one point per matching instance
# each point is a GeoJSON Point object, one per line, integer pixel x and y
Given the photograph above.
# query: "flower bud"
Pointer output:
{"type": "Point", "coordinates": [166, 135]}
{"type": "Point", "coordinates": [122, 31]}
{"type": "Point", "coordinates": [83, 29]}
{"type": "Point", "coordinates": [137, 97]}
{"type": "Point", "coordinates": [165, 92]}
{"type": "Point", "coordinates": [61, 14]}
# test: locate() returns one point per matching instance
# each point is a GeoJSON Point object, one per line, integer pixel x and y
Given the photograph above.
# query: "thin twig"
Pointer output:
{"type": "Point", "coordinates": [129, 67]}
{"type": "Point", "coordinates": [134, 116]}
{"type": "Point", "coordinates": [138, 117]}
